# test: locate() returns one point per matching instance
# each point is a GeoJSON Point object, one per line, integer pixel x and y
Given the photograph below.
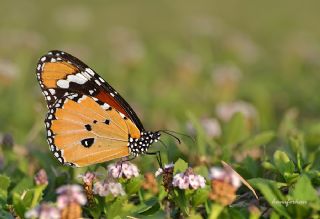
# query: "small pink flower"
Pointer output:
{"type": "Point", "coordinates": [227, 74]}
{"type": "Point", "coordinates": [218, 173]}
{"type": "Point", "coordinates": [180, 180]}
{"type": "Point", "coordinates": [197, 181]}
{"type": "Point", "coordinates": [44, 211]}
{"type": "Point", "coordinates": [70, 194]}
{"type": "Point", "coordinates": [225, 111]}
{"type": "Point", "coordinates": [115, 189]}
{"type": "Point", "coordinates": [166, 167]}
{"type": "Point", "coordinates": [211, 126]}
{"type": "Point", "coordinates": [100, 189]}
{"type": "Point", "coordinates": [88, 177]}
{"type": "Point", "coordinates": [106, 188]}
{"type": "Point", "coordinates": [188, 180]}
{"type": "Point", "coordinates": [41, 177]}
{"type": "Point", "coordinates": [123, 169]}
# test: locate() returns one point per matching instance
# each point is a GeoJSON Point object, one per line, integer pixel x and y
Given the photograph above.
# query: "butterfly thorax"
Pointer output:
{"type": "Point", "coordinates": [141, 145]}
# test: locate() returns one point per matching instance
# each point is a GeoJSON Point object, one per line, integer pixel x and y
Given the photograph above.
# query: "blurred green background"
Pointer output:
{"type": "Point", "coordinates": [169, 59]}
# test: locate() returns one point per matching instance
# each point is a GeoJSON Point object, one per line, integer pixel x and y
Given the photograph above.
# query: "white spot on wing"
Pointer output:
{"type": "Point", "coordinates": [80, 75]}
{"type": "Point", "coordinates": [63, 84]}
{"type": "Point", "coordinates": [105, 106]}
{"type": "Point", "coordinates": [52, 91]}
{"type": "Point", "coordinates": [89, 70]}
{"type": "Point", "coordinates": [101, 79]}
{"type": "Point", "coordinates": [86, 75]}
{"type": "Point", "coordinates": [81, 99]}
{"type": "Point", "coordinates": [78, 78]}
{"type": "Point", "coordinates": [98, 82]}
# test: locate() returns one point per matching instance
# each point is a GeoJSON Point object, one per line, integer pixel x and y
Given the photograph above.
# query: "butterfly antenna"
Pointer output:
{"type": "Point", "coordinates": [172, 135]}
{"type": "Point", "coordinates": [178, 133]}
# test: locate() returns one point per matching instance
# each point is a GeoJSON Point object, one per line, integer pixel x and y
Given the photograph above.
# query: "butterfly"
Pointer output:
{"type": "Point", "coordinates": [88, 122]}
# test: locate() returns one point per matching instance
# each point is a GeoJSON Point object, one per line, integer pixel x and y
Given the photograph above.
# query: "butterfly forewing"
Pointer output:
{"type": "Point", "coordinates": [60, 73]}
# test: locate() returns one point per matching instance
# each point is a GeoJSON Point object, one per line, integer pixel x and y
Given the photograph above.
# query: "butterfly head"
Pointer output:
{"type": "Point", "coordinates": [141, 145]}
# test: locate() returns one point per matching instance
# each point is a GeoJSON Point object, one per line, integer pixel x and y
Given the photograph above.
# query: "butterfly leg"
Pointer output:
{"type": "Point", "coordinates": [158, 156]}
{"type": "Point", "coordinates": [122, 160]}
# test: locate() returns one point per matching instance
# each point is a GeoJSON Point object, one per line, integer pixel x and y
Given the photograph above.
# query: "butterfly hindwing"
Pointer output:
{"type": "Point", "coordinates": [82, 132]}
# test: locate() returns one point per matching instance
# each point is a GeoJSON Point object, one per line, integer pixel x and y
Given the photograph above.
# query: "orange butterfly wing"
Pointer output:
{"type": "Point", "coordinates": [87, 122]}
{"type": "Point", "coordinates": [81, 132]}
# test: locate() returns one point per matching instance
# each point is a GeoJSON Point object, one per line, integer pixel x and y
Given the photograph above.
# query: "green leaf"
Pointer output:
{"type": "Point", "coordinates": [274, 215]}
{"type": "Point", "coordinates": [273, 195]}
{"type": "Point", "coordinates": [283, 163]}
{"type": "Point", "coordinates": [18, 205]}
{"type": "Point", "coordinates": [236, 213]}
{"type": "Point", "coordinates": [181, 200]}
{"type": "Point", "coordinates": [5, 183]}
{"type": "Point", "coordinates": [151, 208]}
{"type": "Point", "coordinates": [115, 209]}
{"type": "Point", "coordinates": [251, 167]}
{"type": "Point", "coordinates": [260, 139]}
{"type": "Point", "coordinates": [28, 199]}
{"type": "Point", "coordinates": [268, 166]}
{"type": "Point", "coordinates": [133, 185]}
{"type": "Point", "coordinates": [200, 196]}
{"type": "Point", "coordinates": [37, 195]}
{"type": "Point", "coordinates": [288, 123]}
{"type": "Point", "coordinates": [95, 209]}
{"type": "Point", "coordinates": [235, 130]}
{"type": "Point", "coordinates": [216, 210]}
{"type": "Point", "coordinates": [255, 181]}
{"type": "Point", "coordinates": [201, 136]}
{"type": "Point", "coordinates": [23, 185]}
{"type": "Point", "coordinates": [5, 214]}
{"type": "Point", "coordinates": [304, 190]}
{"type": "Point", "coordinates": [180, 166]}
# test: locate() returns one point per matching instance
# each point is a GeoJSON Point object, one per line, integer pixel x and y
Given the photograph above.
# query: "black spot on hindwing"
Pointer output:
{"type": "Point", "coordinates": [88, 127]}
{"type": "Point", "coordinates": [87, 142]}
